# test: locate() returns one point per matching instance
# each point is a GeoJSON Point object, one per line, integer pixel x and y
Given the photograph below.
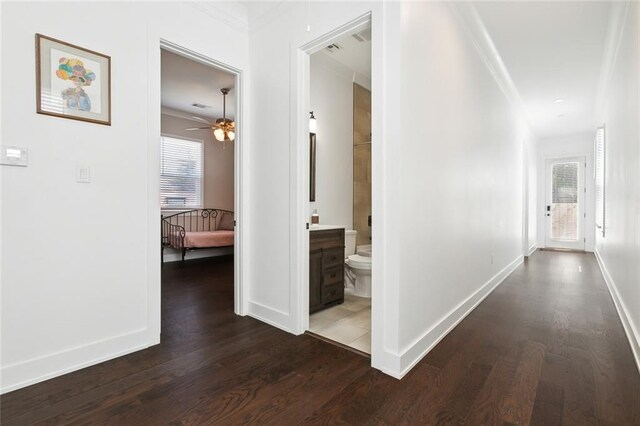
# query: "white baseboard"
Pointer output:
{"type": "Point", "coordinates": [413, 353]}
{"type": "Point", "coordinates": [270, 316]}
{"type": "Point", "coordinates": [632, 333]}
{"type": "Point", "coordinates": [532, 249]}
{"type": "Point", "coordinates": [171, 255]}
{"type": "Point", "coordinates": [25, 373]}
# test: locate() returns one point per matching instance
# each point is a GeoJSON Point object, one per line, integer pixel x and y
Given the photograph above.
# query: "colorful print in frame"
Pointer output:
{"type": "Point", "coordinates": [72, 82]}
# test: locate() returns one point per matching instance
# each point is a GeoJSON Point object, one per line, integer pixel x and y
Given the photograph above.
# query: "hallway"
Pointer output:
{"type": "Point", "coordinates": [546, 347]}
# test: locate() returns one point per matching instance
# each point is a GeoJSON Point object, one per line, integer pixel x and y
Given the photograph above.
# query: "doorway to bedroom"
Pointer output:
{"type": "Point", "coordinates": [197, 181]}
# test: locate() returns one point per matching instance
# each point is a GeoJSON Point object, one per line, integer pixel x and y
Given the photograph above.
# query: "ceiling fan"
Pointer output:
{"type": "Point", "coordinates": [223, 129]}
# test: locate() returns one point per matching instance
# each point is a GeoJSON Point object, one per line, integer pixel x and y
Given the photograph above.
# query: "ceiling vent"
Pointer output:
{"type": "Point", "coordinates": [201, 106]}
{"type": "Point", "coordinates": [333, 47]}
{"type": "Point", "coordinates": [362, 36]}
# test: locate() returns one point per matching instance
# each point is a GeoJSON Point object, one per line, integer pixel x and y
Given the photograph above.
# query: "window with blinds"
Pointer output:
{"type": "Point", "coordinates": [599, 178]}
{"type": "Point", "coordinates": [564, 201]}
{"type": "Point", "coordinates": [180, 173]}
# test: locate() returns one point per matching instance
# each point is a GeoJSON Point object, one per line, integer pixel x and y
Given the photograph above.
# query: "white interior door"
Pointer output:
{"type": "Point", "coordinates": [565, 203]}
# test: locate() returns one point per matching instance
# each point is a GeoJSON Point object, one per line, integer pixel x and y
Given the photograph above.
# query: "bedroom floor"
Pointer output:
{"type": "Point", "coordinates": [348, 323]}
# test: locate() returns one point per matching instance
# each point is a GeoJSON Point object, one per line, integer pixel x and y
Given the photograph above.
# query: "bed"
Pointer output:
{"type": "Point", "coordinates": [197, 229]}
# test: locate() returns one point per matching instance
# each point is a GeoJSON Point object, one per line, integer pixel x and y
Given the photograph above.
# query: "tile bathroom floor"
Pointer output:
{"type": "Point", "coordinates": [349, 323]}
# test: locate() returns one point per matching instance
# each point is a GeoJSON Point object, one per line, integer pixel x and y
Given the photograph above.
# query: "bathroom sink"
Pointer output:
{"type": "Point", "coordinates": [322, 227]}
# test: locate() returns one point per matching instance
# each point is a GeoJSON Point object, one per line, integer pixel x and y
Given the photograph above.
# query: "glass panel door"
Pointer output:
{"type": "Point", "coordinates": [565, 200]}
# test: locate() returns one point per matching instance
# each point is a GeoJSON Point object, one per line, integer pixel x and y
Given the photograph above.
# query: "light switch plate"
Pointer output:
{"type": "Point", "coordinates": [83, 173]}
{"type": "Point", "coordinates": [14, 156]}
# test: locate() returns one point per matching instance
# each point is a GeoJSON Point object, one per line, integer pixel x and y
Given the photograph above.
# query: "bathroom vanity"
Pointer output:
{"type": "Point", "coordinates": [326, 267]}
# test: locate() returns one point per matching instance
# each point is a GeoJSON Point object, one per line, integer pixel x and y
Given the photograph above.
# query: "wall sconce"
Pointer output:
{"type": "Point", "coordinates": [312, 164]}
{"type": "Point", "coordinates": [313, 125]}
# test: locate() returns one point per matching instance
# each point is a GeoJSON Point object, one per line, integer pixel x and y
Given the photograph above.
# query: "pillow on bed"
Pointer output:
{"type": "Point", "coordinates": [226, 222]}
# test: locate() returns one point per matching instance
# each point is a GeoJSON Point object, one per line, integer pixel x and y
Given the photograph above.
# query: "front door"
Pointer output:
{"type": "Point", "coordinates": [565, 203]}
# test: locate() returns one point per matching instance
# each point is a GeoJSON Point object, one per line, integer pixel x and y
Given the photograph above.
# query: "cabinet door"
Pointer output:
{"type": "Point", "coordinates": [315, 280]}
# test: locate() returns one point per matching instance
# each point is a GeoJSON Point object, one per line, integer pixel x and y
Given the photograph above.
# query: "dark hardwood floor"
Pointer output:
{"type": "Point", "coordinates": [545, 348]}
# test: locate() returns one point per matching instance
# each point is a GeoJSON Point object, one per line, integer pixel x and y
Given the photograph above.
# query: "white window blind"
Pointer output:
{"type": "Point", "coordinates": [180, 173]}
{"type": "Point", "coordinates": [564, 201]}
{"type": "Point", "coordinates": [599, 178]}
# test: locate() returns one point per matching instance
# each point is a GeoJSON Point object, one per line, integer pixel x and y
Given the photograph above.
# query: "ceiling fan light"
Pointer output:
{"type": "Point", "coordinates": [219, 134]}
{"type": "Point", "coordinates": [232, 135]}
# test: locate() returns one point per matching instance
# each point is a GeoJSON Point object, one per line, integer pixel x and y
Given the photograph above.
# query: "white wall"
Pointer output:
{"type": "Point", "coordinates": [279, 163]}
{"type": "Point", "coordinates": [218, 161]}
{"type": "Point", "coordinates": [80, 283]}
{"type": "Point", "coordinates": [280, 156]}
{"type": "Point", "coordinates": [574, 145]}
{"type": "Point", "coordinates": [447, 169]}
{"type": "Point", "coordinates": [331, 101]}
{"type": "Point", "coordinates": [532, 193]}
{"type": "Point", "coordinates": [619, 250]}
{"type": "Point", "coordinates": [461, 151]}
{"type": "Point", "coordinates": [447, 173]}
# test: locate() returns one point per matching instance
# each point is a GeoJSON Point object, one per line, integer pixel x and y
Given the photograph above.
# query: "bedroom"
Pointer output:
{"type": "Point", "coordinates": [196, 179]}
{"type": "Point", "coordinates": [196, 169]}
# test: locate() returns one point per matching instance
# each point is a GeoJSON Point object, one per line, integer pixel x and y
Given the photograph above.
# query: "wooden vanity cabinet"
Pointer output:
{"type": "Point", "coordinates": [326, 268]}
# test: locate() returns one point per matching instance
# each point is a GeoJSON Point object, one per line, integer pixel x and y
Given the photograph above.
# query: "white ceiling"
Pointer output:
{"type": "Point", "coordinates": [552, 50]}
{"type": "Point", "coordinates": [185, 82]}
{"type": "Point", "coordinates": [354, 54]}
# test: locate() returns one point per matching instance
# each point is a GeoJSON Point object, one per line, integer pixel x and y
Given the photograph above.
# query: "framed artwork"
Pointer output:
{"type": "Point", "coordinates": [72, 82]}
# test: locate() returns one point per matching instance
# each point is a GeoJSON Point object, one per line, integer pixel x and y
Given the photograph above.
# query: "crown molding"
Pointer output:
{"type": "Point", "coordinates": [474, 28]}
{"type": "Point", "coordinates": [615, 31]}
{"type": "Point", "coordinates": [233, 14]}
{"type": "Point", "coordinates": [236, 13]}
{"type": "Point", "coordinates": [277, 9]}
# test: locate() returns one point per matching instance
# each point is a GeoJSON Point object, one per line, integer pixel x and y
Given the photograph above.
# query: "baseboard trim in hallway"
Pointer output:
{"type": "Point", "coordinates": [36, 370]}
{"type": "Point", "coordinates": [633, 336]}
{"type": "Point", "coordinates": [421, 347]}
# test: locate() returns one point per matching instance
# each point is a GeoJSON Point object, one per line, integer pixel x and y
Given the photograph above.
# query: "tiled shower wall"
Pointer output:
{"type": "Point", "coordinates": [362, 163]}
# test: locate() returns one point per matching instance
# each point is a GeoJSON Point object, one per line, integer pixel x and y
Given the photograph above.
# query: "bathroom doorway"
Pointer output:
{"type": "Point", "coordinates": [340, 204]}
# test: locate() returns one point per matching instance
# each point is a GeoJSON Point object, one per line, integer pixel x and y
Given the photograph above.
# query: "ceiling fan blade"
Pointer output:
{"type": "Point", "coordinates": [201, 119]}
{"type": "Point", "coordinates": [198, 128]}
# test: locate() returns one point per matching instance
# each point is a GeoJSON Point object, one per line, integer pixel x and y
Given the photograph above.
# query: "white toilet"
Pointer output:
{"type": "Point", "coordinates": [357, 265]}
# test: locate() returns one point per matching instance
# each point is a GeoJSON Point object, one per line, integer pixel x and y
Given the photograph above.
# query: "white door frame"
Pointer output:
{"type": "Point", "coordinates": [580, 244]}
{"type": "Point", "coordinates": [241, 245]}
{"type": "Point", "coordinates": [525, 200]}
{"type": "Point", "coordinates": [299, 302]}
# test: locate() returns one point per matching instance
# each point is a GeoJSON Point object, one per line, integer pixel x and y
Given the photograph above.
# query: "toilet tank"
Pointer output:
{"type": "Point", "coordinates": [364, 250]}
{"type": "Point", "coordinates": [350, 243]}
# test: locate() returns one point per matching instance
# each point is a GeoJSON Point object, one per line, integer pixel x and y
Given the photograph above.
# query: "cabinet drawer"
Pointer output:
{"type": "Point", "coordinates": [332, 293]}
{"type": "Point", "coordinates": [333, 257]}
{"type": "Point", "coordinates": [326, 238]}
{"type": "Point", "coordinates": [333, 276]}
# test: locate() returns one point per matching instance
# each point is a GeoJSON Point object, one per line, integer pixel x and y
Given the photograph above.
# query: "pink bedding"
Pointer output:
{"type": "Point", "coordinates": [208, 239]}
